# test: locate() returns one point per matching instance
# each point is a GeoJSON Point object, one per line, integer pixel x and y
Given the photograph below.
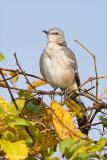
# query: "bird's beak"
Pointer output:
{"type": "Point", "coordinates": [45, 32]}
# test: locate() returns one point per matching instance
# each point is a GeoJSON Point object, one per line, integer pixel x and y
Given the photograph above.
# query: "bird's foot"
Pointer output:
{"type": "Point", "coordinates": [52, 95]}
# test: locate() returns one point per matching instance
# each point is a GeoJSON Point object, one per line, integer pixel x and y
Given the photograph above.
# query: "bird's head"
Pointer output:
{"type": "Point", "coordinates": [55, 35]}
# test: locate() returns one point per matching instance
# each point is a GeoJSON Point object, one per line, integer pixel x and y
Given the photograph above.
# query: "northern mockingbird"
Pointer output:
{"type": "Point", "coordinates": [59, 68]}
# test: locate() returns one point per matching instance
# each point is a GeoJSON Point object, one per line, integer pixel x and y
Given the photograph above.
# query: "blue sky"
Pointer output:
{"type": "Point", "coordinates": [21, 25]}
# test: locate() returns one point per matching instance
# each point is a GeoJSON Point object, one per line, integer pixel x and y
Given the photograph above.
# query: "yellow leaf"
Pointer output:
{"type": "Point", "coordinates": [12, 74]}
{"type": "Point", "coordinates": [4, 103]}
{"type": "Point", "coordinates": [14, 150]}
{"type": "Point", "coordinates": [74, 107]}
{"type": "Point", "coordinates": [14, 79]}
{"type": "Point", "coordinates": [37, 84]}
{"type": "Point", "coordinates": [48, 140]}
{"type": "Point", "coordinates": [20, 104]}
{"type": "Point", "coordinates": [62, 122]}
{"type": "Point", "coordinates": [5, 73]}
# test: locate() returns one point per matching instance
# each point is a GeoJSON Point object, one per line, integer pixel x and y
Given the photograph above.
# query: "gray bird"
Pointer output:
{"type": "Point", "coordinates": [59, 68]}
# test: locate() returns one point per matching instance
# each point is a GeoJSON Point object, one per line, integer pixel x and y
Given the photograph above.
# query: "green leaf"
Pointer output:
{"type": "Point", "coordinates": [77, 146]}
{"type": "Point", "coordinates": [68, 147]}
{"type": "Point", "coordinates": [15, 113]}
{"type": "Point", "coordinates": [33, 108]}
{"type": "Point", "coordinates": [94, 155]}
{"type": "Point", "coordinates": [66, 144]}
{"type": "Point", "coordinates": [105, 156]}
{"type": "Point", "coordinates": [24, 94]}
{"type": "Point", "coordinates": [1, 110]}
{"type": "Point", "coordinates": [83, 156]}
{"type": "Point", "coordinates": [19, 121]}
{"type": "Point", "coordinates": [29, 141]}
{"type": "Point", "coordinates": [1, 57]}
{"type": "Point", "coordinates": [36, 133]}
{"type": "Point", "coordinates": [99, 145]}
{"type": "Point", "coordinates": [104, 120]}
{"type": "Point", "coordinates": [14, 150]}
{"type": "Point", "coordinates": [37, 136]}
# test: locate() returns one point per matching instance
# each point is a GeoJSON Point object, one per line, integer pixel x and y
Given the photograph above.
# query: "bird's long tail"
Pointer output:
{"type": "Point", "coordinates": [82, 122]}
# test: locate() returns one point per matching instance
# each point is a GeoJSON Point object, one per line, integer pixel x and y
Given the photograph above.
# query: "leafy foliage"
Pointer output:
{"type": "Point", "coordinates": [30, 129]}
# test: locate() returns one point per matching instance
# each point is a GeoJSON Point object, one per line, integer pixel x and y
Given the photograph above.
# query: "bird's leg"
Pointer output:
{"type": "Point", "coordinates": [65, 93]}
{"type": "Point", "coordinates": [53, 95]}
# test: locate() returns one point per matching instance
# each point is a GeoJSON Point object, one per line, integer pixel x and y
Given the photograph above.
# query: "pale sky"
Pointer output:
{"type": "Point", "coordinates": [21, 25]}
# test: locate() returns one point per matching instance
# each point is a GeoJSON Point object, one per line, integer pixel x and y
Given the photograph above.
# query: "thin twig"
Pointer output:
{"type": "Point", "coordinates": [90, 79]}
{"type": "Point", "coordinates": [103, 93]}
{"type": "Point", "coordinates": [17, 71]}
{"type": "Point", "coordinates": [9, 78]}
{"type": "Point", "coordinates": [23, 72]}
{"type": "Point", "coordinates": [95, 96]}
{"type": "Point", "coordinates": [37, 91]}
{"type": "Point", "coordinates": [94, 65]}
{"type": "Point", "coordinates": [87, 125]}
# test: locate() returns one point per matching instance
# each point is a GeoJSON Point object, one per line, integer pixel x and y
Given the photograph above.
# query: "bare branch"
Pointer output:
{"type": "Point", "coordinates": [94, 65]}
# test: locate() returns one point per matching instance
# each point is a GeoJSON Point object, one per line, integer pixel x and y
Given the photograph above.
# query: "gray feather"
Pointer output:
{"type": "Point", "coordinates": [73, 61]}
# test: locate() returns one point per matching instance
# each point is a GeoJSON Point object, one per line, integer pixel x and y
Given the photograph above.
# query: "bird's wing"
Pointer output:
{"type": "Point", "coordinates": [73, 62]}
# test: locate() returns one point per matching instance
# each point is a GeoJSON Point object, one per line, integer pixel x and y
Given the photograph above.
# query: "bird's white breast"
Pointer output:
{"type": "Point", "coordinates": [55, 67]}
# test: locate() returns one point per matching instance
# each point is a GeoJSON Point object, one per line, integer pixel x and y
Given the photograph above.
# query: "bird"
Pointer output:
{"type": "Point", "coordinates": [58, 66]}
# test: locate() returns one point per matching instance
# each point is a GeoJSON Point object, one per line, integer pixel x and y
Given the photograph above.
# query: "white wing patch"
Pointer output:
{"type": "Point", "coordinates": [70, 59]}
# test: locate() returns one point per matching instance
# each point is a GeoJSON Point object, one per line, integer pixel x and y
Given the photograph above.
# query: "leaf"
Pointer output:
{"type": "Point", "coordinates": [4, 72]}
{"type": "Point", "coordinates": [37, 84]}
{"type": "Point", "coordinates": [1, 110]}
{"type": "Point", "coordinates": [29, 141]}
{"type": "Point", "coordinates": [37, 136]}
{"type": "Point", "coordinates": [1, 57]}
{"type": "Point", "coordinates": [47, 140]}
{"type": "Point", "coordinates": [14, 79]}
{"type": "Point", "coordinates": [84, 156]}
{"type": "Point", "coordinates": [69, 147]}
{"type": "Point", "coordinates": [81, 156]}
{"type": "Point", "coordinates": [17, 112]}
{"type": "Point", "coordinates": [24, 94]}
{"type": "Point", "coordinates": [4, 105]}
{"type": "Point", "coordinates": [2, 82]}
{"type": "Point", "coordinates": [33, 108]}
{"type": "Point", "coordinates": [99, 145]}
{"type": "Point", "coordinates": [74, 107]}
{"type": "Point", "coordinates": [105, 156]}
{"type": "Point", "coordinates": [3, 102]}
{"type": "Point", "coordinates": [19, 121]}
{"type": "Point", "coordinates": [66, 144]}
{"type": "Point", "coordinates": [14, 150]}
{"type": "Point", "coordinates": [20, 103]}
{"type": "Point", "coordinates": [62, 122]}
{"type": "Point", "coordinates": [104, 120]}
{"type": "Point", "coordinates": [78, 147]}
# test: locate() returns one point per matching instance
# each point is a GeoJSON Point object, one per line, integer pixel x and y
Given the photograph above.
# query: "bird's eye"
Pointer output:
{"type": "Point", "coordinates": [56, 33]}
